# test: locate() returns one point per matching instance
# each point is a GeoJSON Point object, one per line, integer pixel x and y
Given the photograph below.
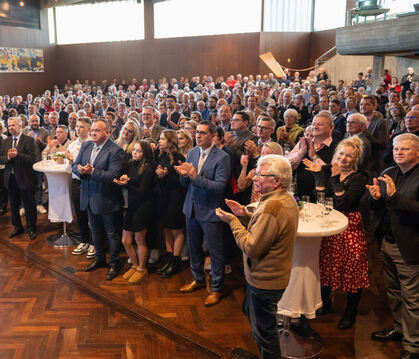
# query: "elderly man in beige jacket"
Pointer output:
{"type": "Point", "coordinates": [266, 239]}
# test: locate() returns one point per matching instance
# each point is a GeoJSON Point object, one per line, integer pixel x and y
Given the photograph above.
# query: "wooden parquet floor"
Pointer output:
{"type": "Point", "coordinates": [51, 308]}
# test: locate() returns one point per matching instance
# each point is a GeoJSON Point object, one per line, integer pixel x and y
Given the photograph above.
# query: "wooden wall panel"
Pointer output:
{"type": "Point", "coordinates": [156, 58]}
{"type": "Point", "coordinates": [210, 55]}
{"type": "Point", "coordinates": [294, 46]}
{"type": "Point", "coordinates": [23, 83]}
{"type": "Point", "coordinates": [321, 41]}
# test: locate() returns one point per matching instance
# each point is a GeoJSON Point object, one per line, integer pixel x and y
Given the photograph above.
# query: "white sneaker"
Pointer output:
{"type": "Point", "coordinates": [80, 249]}
{"type": "Point", "coordinates": [91, 253]}
{"type": "Point", "coordinates": [154, 256]}
{"type": "Point", "coordinates": [22, 211]}
{"type": "Point", "coordinates": [41, 209]}
{"type": "Point", "coordinates": [129, 261]}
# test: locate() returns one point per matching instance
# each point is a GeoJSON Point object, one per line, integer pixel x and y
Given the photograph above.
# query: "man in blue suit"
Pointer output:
{"type": "Point", "coordinates": [97, 164]}
{"type": "Point", "coordinates": [205, 173]}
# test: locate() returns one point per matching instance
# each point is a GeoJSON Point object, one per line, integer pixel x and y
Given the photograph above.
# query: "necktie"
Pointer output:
{"type": "Point", "coordinates": [201, 161]}
{"type": "Point", "coordinates": [94, 153]}
{"type": "Point", "coordinates": [14, 142]}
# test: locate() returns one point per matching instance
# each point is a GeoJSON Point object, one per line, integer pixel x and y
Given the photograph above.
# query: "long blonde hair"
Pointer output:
{"type": "Point", "coordinates": [135, 137]}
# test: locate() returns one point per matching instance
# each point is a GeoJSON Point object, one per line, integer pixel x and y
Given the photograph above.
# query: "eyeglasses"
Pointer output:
{"type": "Point", "coordinates": [236, 119]}
{"type": "Point", "coordinates": [263, 128]}
{"type": "Point", "coordinates": [257, 174]}
{"type": "Point", "coordinates": [394, 108]}
{"type": "Point", "coordinates": [410, 117]}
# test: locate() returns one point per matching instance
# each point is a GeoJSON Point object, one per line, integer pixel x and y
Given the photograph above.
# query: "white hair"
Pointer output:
{"type": "Point", "coordinates": [279, 166]}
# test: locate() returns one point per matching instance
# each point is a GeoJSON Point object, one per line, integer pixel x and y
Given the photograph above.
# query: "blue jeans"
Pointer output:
{"type": "Point", "coordinates": [260, 307]}
{"type": "Point", "coordinates": [108, 225]}
{"type": "Point", "coordinates": [212, 233]}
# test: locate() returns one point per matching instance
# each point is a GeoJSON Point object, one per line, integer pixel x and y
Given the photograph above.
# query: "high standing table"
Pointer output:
{"type": "Point", "coordinates": [60, 208]}
{"type": "Point", "coordinates": [302, 295]}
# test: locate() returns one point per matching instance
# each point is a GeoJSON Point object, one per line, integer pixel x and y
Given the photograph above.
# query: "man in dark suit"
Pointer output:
{"type": "Point", "coordinates": [18, 154]}
{"type": "Point", "coordinates": [395, 197]}
{"type": "Point", "coordinates": [97, 164]}
{"type": "Point", "coordinates": [205, 173]}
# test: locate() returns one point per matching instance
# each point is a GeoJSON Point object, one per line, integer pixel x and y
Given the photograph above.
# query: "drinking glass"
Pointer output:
{"type": "Point", "coordinates": [321, 202]}
{"type": "Point", "coordinates": [328, 207]}
{"type": "Point", "coordinates": [305, 200]}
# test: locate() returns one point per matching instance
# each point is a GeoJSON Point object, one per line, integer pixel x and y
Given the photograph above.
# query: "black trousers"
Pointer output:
{"type": "Point", "coordinates": [3, 191]}
{"type": "Point", "coordinates": [82, 216]}
{"type": "Point", "coordinates": [27, 196]}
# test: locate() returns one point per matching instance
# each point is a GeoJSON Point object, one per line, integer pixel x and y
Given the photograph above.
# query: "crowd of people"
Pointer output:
{"type": "Point", "coordinates": [155, 163]}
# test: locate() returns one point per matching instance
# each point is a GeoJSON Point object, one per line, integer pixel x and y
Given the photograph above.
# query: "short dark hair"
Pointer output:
{"type": "Point", "coordinates": [172, 97]}
{"type": "Point", "coordinates": [371, 98]}
{"type": "Point", "coordinates": [211, 126]}
{"type": "Point", "coordinates": [244, 115]}
{"type": "Point", "coordinates": [108, 127]}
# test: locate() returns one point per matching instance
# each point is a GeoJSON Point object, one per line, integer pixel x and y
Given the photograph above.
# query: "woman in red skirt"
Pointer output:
{"type": "Point", "coordinates": [343, 257]}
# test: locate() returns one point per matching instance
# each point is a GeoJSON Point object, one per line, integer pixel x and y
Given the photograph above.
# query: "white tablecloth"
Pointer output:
{"type": "Point", "coordinates": [302, 296]}
{"type": "Point", "coordinates": [59, 190]}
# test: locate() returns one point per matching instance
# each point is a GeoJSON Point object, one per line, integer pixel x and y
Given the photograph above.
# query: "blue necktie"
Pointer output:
{"type": "Point", "coordinates": [14, 142]}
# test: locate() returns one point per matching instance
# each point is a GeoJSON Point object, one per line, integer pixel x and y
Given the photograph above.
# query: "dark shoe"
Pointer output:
{"type": "Point", "coordinates": [303, 329]}
{"type": "Point", "coordinates": [3, 211]}
{"type": "Point", "coordinates": [194, 285]}
{"type": "Point", "coordinates": [163, 268]}
{"type": "Point", "coordinates": [112, 273]}
{"type": "Point", "coordinates": [173, 268]}
{"type": "Point", "coordinates": [387, 335]}
{"type": "Point", "coordinates": [213, 299]}
{"type": "Point", "coordinates": [32, 235]}
{"type": "Point", "coordinates": [351, 311]}
{"type": "Point", "coordinates": [347, 320]}
{"type": "Point", "coordinates": [94, 265]}
{"type": "Point", "coordinates": [408, 355]}
{"type": "Point", "coordinates": [16, 232]}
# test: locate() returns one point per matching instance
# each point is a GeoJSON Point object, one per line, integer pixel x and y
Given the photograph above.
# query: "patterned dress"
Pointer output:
{"type": "Point", "coordinates": [343, 257]}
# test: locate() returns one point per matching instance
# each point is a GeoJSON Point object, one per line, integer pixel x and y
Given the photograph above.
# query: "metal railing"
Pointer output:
{"type": "Point", "coordinates": [326, 56]}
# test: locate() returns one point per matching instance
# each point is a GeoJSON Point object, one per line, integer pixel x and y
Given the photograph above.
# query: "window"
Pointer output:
{"type": "Point", "coordinates": [179, 18]}
{"type": "Point", "coordinates": [100, 22]}
{"type": "Point", "coordinates": [51, 26]}
{"type": "Point", "coordinates": [397, 7]}
{"type": "Point", "coordinates": [287, 15]}
{"type": "Point", "coordinates": [329, 14]}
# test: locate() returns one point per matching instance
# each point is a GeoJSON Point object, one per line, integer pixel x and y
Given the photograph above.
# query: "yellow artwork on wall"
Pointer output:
{"type": "Point", "coordinates": [21, 60]}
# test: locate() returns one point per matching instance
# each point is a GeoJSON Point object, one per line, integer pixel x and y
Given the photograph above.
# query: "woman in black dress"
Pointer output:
{"type": "Point", "coordinates": [171, 195]}
{"type": "Point", "coordinates": [343, 257]}
{"type": "Point", "coordinates": [138, 176]}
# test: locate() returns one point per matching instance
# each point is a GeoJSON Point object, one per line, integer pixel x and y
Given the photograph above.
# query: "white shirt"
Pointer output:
{"type": "Point", "coordinates": [74, 149]}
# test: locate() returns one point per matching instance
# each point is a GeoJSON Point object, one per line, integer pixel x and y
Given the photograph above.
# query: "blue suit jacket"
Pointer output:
{"type": "Point", "coordinates": [98, 190]}
{"type": "Point", "coordinates": [206, 192]}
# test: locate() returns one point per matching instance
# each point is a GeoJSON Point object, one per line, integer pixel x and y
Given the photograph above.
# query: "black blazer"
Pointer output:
{"type": "Point", "coordinates": [403, 212]}
{"type": "Point", "coordinates": [22, 164]}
